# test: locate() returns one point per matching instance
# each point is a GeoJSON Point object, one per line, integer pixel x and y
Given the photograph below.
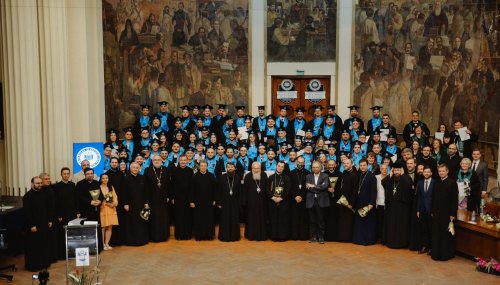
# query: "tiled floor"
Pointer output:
{"type": "Point", "coordinates": [292, 262]}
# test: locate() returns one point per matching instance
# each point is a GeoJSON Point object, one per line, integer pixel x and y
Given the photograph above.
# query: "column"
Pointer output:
{"type": "Point", "coordinates": [21, 79]}
{"type": "Point", "coordinates": [55, 93]}
{"type": "Point", "coordinates": [257, 55]}
{"type": "Point", "coordinates": [345, 47]}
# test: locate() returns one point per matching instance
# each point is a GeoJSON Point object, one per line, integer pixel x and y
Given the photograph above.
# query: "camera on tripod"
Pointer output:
{"type": "Point", "coordinates": [42, 276]}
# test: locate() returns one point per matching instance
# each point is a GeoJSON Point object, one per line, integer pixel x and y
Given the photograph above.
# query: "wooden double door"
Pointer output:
{"type": "Point", "coordinates": [300, 91]}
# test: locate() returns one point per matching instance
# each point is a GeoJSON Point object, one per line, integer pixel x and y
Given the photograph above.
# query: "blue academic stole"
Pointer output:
{"type": "Point", "coordinates": [245, 162]}
{"type": "Point", "coordinates": [370, 167]}
{"type": "Point", "coordinates": [171, 157]}
{"type": "Point", "coordinates": [308, 159]}
{"type": "Point", "coordinates": [262, 158]}
{"type": "Point", "coordinates": [292, 165]}
{"type": "Point", "coordinates": [391, 149]}
{"type": "Point", "coordinates": [252, 152]}
{"type": "Point", "coordinates": [278, 122]}
{"type": "Point", "coordinates": [165, 163]}
{"type": "Point", "coordinates": [356, 158]}
{"type": "Point", "coordinates": [240, 122]}
{"type": "Point", "coordinates": [317, 122]}
{"type": "Point", "coordinates": [145, 142]}
{"type": "Point", "coordinates": [328, 131]}
{"type": "Point", "coordinates": [212, 163]}
{"type": "Point", "coordinates": [225, 130]}
{"type": "Point", "coordinates": [234, 143]}
{"type": "Point", "coordinates": [270, 132]}
{"type": "Point", "coordinates": [331, 157]}
{"type": "Point", "coordinates": [107, 165]}
{"type": "Point", "coordinates": [298, 125]}
{"type": "Point", "coordinates": [285, 158]}
{"type": "Point", "coordinates": [271, 166]}
{"type": "Point", "coordinates": [130, 146]}
{"type": "Point", "coordinates": [185, 123]}
{"type": "Point", "coordinates": [191, 164]}
{"type": "Point", "coordinates": [163, 120]}
{"type": "Point", "coordinates": [379, 159]}
{"type": "Point", "coordinates": [364, 149]}
{"type": "Point", "coordinates": [345, 146]}
{"type": "Point", "coordinates": [233, 160]}
{"type": "Point", "coordinates": [207, 122]}
{"type": "Point", "coordinates": [376, 122]}
{"type": "Point", "coordinates": [155, 131]}
{"type": "Point", "coordinates": [144, 121]}
{"type": "Point", "coordinates": [354, 135]}
{"type": "Point", "coordinates": [262, 123]}
{"type": "Point", "coordinates": [280, 140]}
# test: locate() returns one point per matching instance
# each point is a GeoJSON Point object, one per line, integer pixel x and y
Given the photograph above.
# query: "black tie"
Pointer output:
{"type": "Point", "coordinates": [426, 185]}
{"type": "Point", "coordinates": [474, 166]}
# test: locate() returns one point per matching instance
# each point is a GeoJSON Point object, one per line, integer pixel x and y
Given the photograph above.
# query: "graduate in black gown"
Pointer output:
{"type": "Point", "coordinates": [229, 199]}
{"type": "Point", "coordinates": [158, 186]}
{"type": "Point", "coordinates": [36, 253]}
{"type": "Point", "coordinates": [116, 178]}
{"type": "Point", "coordinates": [365, 221]}
{"type": "Point", "coordinates": [279, 204]}
{"type": "Point", "coordinates": [66, 208]}
{"type": "Point", "coordinates": [299, 219]}
{"type": "Point", "coordinates": [182, 180]}
{"type": "Point", "coordinates": [255, 203]}
{"type": "Point", "coordinates": [202, 201]}
{"type": "Point", "coordinates": [349, 189]}
{"type": "Point", "coordinates": [48, 190]}
{"type": "Point", "coordinates": [134, 201]}
{"type": "Point", "coordinates": [444, 210]}
{"type": "Point", "coordinates": [397, 207]}
{"type": "Point", "coordinates": [331, 213]}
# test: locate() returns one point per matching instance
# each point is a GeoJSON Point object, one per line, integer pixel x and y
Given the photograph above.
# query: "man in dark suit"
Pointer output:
{"type": "Point", "coordinates": [481, 168]}
{"type": "Point", "coordinates": [424, 202]}
{"type": "Point", "coordinates": [464, 147]}
{"type": "Point", "coordinates": [317, 184]}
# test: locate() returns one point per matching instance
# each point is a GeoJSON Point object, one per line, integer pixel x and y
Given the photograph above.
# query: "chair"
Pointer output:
{"type": "Point", "coordinates": [9, 267]}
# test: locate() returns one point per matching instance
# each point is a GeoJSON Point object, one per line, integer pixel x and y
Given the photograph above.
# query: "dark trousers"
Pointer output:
{"type": "Point", "coordinates": [317, 221]}
{"type": "Point", "coordinates": [379, 212]}
{"type": "Point", "coordinates": [424, 223]}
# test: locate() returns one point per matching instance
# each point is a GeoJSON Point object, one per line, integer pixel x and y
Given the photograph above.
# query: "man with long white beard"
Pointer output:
{"type": "Point", "coordinates": [255, 203]}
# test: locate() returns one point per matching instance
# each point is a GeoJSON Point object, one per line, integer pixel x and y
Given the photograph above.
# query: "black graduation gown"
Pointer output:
{"type": "Point", "coordinates": [255, 203]}
{"type": "Point", "coordinates": [135, 197]}
{"type": "Point", "coordinates": [299, 219]}
{"type": "Point", "coordinates": [444, 205]}
{"type": "Point", "coordinates": [203, 196]}
{"type": "Point", "coordinates": [182, 180]}
{"type": "Point", "coordinates": [66, 208]}
{"type": "Point", "coordinates": [118, 238]}
{"type": "Point", "coordinates": [230, 205]}
{"type": "Point", "coordinates": [159, 225]}
{"type": "Point", "coordinates": [397, 209]}
{"type": "Point", "coordinates": [279, 213]}
{"type": "Point", "coordinates": [332, 212]}
{"type": "Point", "coordinates": [36, 253]}
{"type": "Point", "coordinates": [51, 208]}
{"type": "Point", "coordinates": [365, 229]}
{"type": "Point", "coordinates": [349, 188]}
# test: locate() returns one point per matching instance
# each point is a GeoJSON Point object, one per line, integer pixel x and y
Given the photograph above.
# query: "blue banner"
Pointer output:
{"type": "Point", "coordinates": [93, 152]}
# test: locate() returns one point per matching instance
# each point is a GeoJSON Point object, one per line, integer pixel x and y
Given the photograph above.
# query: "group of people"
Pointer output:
{"type": "Point", "coordinates": [285, 178]}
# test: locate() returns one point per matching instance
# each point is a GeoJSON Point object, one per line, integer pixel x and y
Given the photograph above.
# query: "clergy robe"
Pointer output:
{"type": "Point", "coordinates": [66, 209]}
{"type": "Point", "coordinates": [182, 180]}
{"type": "Point", "coordinates": [255, 203]}
{"type": "Point", "coordinates": [116, 178]}
{"type": "Point", "coordinates": [86, 210]}
{"type": "Point", "coordinates": [397, 209]}
{"type": "Point", "coordinates": [135, 197]}
{"type": "Point", "coordinates": [444, 205]}
{"type": "Point", "coordinates": [365, 228]}
{"type": "Point", "coordinates": [159, 225]}
{"type": "Point", "coordinates": [36, 254]}
{"type": "Point", "coordinates": [202, 194]}
{"type": "Point", "coordinates": [349, 188]}
{"type": "Point", "coordinates": [53, 237]}
{"type": "Point", "coordinates": [279, 213]}
{"type": "Point", "coordinates": [332, 212]}
{"type": "Point", "coordinates": [299, 219]}
{"type": "Point", "coordinates": [229, 198]}
{"type": "Point", "coordinates": [414, 242]}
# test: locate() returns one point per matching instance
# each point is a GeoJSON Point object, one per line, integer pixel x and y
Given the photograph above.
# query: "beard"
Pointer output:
{"type": "Point", "coordinates": [231, 173]}
{"type": "Point", "coordinates": [256, 175]}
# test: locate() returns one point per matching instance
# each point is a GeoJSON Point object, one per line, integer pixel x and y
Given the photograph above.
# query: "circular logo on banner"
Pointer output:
{"type": "Point", "coordinates": [315, 85]}
{"type": "Point", "coordinates": [286, 85]}
{"type": "Point", "coordinates": [91, 154]}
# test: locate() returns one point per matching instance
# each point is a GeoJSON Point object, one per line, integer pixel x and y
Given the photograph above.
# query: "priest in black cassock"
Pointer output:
{"type": "Point", "coordinates": [398, 189]}
{"type": "Point", "coordinates": [365, 221]}
{"type": "Point", "coordinates": [444, 210]}
{"type": "Point", "coordinates": [116, 178]}
{"type": "Point", "coordinates": [157, 184]}
{"type": "Point", "coordinates": [331, 213]}
{"type": "Point", "coordinates": [134, 201]}
{"type": "Point", "coordinates": [202, 201]}
{"type": "Point", "coordinates": [414, 242]}
{"type": "Point", "coordinates": [182, 180]}
{"type": "Point", "coordinates": [36, 253]}
{"type": "Point", "coordinates": [66, 208]}
{"type": "Point", "coordinates": [229, 196]}
{"type": "Point", "coordinates": [48, 190]}
{"type": "Point", "coordinates": [89, 208]}
{"type": "Point", "coordinates": [299, 219]}
{"type": "Point", "coordinates": [255, 202]}
{"type": "Point", "coordinates": [349, 189]}
{"type": "Point", "coordinates": [279, 204]}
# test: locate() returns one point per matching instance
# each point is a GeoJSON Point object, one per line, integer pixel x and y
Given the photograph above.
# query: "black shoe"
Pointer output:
{"type": "Point", "coordinates": [321, 240]}
{"type": "Point", "coordinates": [423, 250]}
{"type": "Point", "coordinates": [312, 240]}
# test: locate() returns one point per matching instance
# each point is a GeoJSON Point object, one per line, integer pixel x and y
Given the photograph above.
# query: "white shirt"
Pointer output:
{"type": "Point", "coordinates": [316, 177]}
{"type": "Point", "coordinates": [380, 191]}
{"type": "Point", "coordinates": [428, 182]}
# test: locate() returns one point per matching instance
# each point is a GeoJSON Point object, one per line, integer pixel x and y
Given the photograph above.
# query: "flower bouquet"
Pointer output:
{"type": "Point", "coordinates": [95, 194]}
{"type": "Point", "coordinates": [451, 228]}
{"type": "Point", "coordinates": [108, 197]}
{"type": "Point", "coordinates": [363, 211]}
{"type": "Point", "coordinates": [489, 219]}
{"type": "Point", "coordinates": [145, 213]}
{"type": "Point", "coordinates": [82, 277]}
{"type": "Point", "coordinates": [343, 201]}
{"type": "Point", "coordinates": [278, 191]}
{"type": "Point", "coordinates": [491, 267]}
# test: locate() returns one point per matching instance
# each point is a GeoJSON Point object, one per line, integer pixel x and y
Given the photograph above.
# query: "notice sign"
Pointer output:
{"type": "Point", "coordinates": [315, 95]}
{"type": "Point", "coordinates": [287, 95]}
{"type": "Point", "coordinates": [93, 152]}
{"type": "Point", "coordinates": [82, 256]}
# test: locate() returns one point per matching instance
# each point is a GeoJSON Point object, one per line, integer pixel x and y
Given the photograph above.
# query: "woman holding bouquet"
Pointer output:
{"type": "Point", "coordinates": [109, 217]}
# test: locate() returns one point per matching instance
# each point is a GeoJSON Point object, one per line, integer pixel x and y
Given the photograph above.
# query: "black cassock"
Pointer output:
{"type": "Point", "coordinates": [255, 203]}
{"type": "Point", "coordinates": [88, 211]}
{"type": "Point", "coordinates": [349, 188]}
{"type": "Point", "coordinates": [365, 228]}
{"type": "Point", "coordinates": [279, 213]}
{"type": "Point", "coordinates": [299, 219]}
{"type": "Point", "coordinates": [229, 199]}
{"type": "Point", "coordinates": [66, 208]}
{"type": "Point", "coordinates": [135, 196]}
{"type": "Point", "coordinates": [53, 236]}
{"type": "Point", "coordinates": [332, 212]}
{"type": "Point", "coordinates": [203, 196]}
{"type": "Point", "coordinates": [36, 254]}
{"type": "Point", "coordinates": [444, 205]}
{"type": "Point", "coordinates": [182, 181]}
{"type": "Point", "coordinates": [158, 185]}
{"type": "Point", "coordinates": [118, 238]}
{"type": "Point", "coordinates": [414, 242]}
{"type": "Point", "coordinates": [397, 210]}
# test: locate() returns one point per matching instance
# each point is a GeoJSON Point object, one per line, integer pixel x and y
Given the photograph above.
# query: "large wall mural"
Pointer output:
{"type": "Point", "coordinates": [441, 58]}
{"type": "Point", "coordinates": [168, 50]}
{"type": "Point", "coordinates": [301, 30]}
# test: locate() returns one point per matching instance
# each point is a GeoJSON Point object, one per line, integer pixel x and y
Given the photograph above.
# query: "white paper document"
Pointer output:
{"type": "Point", "coordinates": [383, 134]}
{"type": "Point", "coordinates": [462, 132]}
{"type": "Point", "coordinates": [76, 222]}
{"type": "Point", "coordinates": [439, 136]}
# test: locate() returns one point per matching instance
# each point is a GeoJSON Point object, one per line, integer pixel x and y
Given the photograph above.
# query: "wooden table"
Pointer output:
{"type": "Point", "coordinates": [477, 239]}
